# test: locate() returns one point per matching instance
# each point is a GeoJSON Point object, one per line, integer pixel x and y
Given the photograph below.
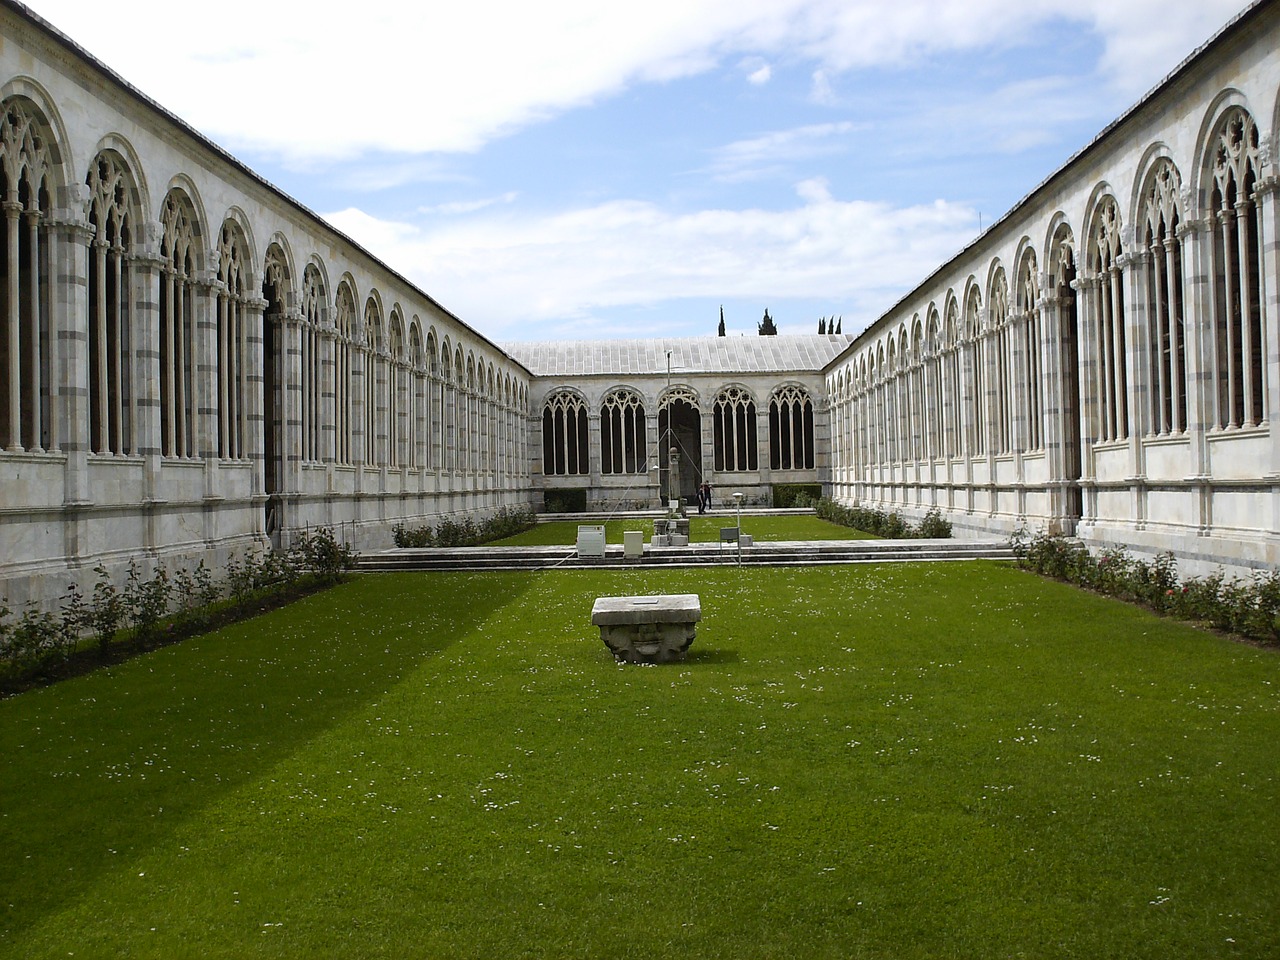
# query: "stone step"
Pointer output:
{"type": "Point", "coordinates": [789, 553]}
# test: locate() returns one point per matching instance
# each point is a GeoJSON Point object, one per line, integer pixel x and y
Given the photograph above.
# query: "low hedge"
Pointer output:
{"type": "Point", "coordinates": [891, 526]}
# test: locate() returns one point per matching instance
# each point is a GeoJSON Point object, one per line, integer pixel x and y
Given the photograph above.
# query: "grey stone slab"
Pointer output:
{"type": "Point", "coordinates": [672, 608]}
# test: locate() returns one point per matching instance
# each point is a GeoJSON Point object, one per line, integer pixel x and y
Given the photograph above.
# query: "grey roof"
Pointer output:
{"type": "Point", "coordinates": [586, 358]}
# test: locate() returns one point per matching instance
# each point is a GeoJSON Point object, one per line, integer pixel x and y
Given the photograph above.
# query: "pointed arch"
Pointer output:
{"type": "Point", "coordinates": [181, 256]}
{"type": "Point", "coordinates": [734, 437]}
{"type": "Point", "coordinates": [1231, 168]}
{"type": "Point", "coordinates": [791, 428]}
{"type": "Point", "coordinates": [235, 297]}
{"type": "Point", "coordinates": [1159, 241]}
{"type": "Point", "coordinates": [114, 387]}
{"type": "Point", "coordinates": [30, 180]}
{"type": "Point", "coordinates": [372, 355]}
{"type": "Point", "coordinates": [1105, 307]}
{"type": "Point", "coordinates": [564, 434]}
{"type": "Point", "coordinates": [622, 426]}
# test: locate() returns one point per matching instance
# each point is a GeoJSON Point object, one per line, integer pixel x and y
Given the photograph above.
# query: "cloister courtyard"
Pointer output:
{"type": "Point", "coordinates": [872, 761]}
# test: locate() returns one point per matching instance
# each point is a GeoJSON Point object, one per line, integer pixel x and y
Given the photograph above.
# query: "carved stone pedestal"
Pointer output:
{"type": "Point", "coordinates": [647, 629]}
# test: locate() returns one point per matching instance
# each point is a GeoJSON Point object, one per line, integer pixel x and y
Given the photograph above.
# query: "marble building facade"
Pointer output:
{"type": "Point", "coordinates": [192, 362]}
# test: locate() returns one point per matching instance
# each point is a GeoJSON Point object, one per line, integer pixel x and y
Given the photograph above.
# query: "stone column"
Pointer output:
{"type": "Point", "coordinates": [69, 236]}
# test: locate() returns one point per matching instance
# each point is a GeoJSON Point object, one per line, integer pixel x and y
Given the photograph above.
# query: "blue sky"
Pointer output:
{"type": "Point", "coordinates": [582, 169]}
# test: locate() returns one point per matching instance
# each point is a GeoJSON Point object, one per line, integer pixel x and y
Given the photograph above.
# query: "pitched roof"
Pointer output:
{"type": "Point", "coordinates": [721, 355]}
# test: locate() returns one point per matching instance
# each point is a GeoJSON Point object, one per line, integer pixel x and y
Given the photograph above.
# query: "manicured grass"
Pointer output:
{"type": "Point", "coordinates": [899, 761]}
{"type": "Point", "coordinates": [704, 528]}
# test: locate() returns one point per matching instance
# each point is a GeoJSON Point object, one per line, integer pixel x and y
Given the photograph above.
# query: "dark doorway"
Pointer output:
{"type": "Point", "coordinates": [680, 426]}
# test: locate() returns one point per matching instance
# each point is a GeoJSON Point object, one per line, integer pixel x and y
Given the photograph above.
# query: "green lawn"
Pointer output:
{"type": "Point", "coordinates": [704, 528]}
{"type": "Point", "coordinates": [900, 761]}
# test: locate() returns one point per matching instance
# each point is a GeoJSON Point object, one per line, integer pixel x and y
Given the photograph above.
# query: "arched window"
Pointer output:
{"type": "Point", "coordinates": [915, 391]}
{"type": "Point", "coordinates": [1030, 390]}
{"type": "Point", "coordinates": [112, 392]}
{"type": "Point", "coordinates": [343, 347]}
{"type": "Point", "coordinates": [622, 447]}
{"type": "Point", "coordinates": [233, 335]}
{"type": "Point", "coordinates": [1107, 285]}
{"type": "Point", "coordinates": [26, 342]}
{"type": "Point", "coordinates": [434, 402]}
{"type": "Point", "coordinates": [951, 375]}
{"type": "Point", "coordinates": [395, 386]}
{"type": "Point", "coordinates": [790, 429]}
{"type": "Point", "coordinates": [373, 438]}
{"type": "Point", "coordinates": [564, 435]}
{"type": "Point", "coordinates": [1001, 341]}
{"type": "Point", "coordinates": [976, 368]}
{"type": "Point", "coordinates": [313, 303]}
{"type": "Point", "coordinates": [417, 374]}
{"type": "Point", "coordinates": [178, 401]}
{"type": "Point", "coordinates": [734, 424]}
{"type": "Point", "coordinates": [448, 410]}
{"type": "Point", "coordinates": [277, 294]}
{"type": "Point", "coordinates": [933, 396]}
{"type": "Point", "coordinates": [1235, 221]}
{"type": "Point", "coordinates": [1162, 265]}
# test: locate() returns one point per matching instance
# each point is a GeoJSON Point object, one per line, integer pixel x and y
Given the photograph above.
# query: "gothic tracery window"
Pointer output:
{"type": "Point", "coordinates": [622, 446]}
{"type": "Point", "coordinates": [951, 375]}
{"type": "Point", "coordinates": [394, 387]}
{"type": "Point", "coordinates": [1108, 326]}
{"type": "Point", "coordinates": [343, 350]}
{"type": "Point", "coordinates": [178, 401]}
{"type": "Point", "coordinates": [1030, 390]}
{"type": "Point", "coordinates": [975, 363]}
{"type": "Point", "coordinates": [790, 429]}
{"type": "Point", "coordinates": [313, 301]}
{"type": "Point", "coordinates": [112, 391]}
{"type": "Point", "coordinates": [26, 340]}
{"type": "Point", "coordinates": [564, 435]}
{"type": "Point", "coordinates": [1001, 343]}
{"type": "Point", "coordinates": [233, 333]}
{"type": "Point", "coordinates": [1235, 221]}
{"type": "Point", "coordinates": [734, 431]}
{"type": "Point", "coordinates": [373, 437]}
{"type": "Point", "coordinates": [1162, 266]}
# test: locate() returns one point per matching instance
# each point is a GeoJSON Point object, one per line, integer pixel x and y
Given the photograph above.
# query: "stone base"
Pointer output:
{"type": "Point", "coordinates": [648, 642]}
{"type": "Point", "coordinates": [647, 629]}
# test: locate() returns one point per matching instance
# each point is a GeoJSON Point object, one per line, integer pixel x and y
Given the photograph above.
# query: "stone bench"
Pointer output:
{"type": "Point", "coordinates": [647, 629]}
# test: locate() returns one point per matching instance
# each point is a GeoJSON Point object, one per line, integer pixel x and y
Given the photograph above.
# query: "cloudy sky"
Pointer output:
{"type": "Point", "coordinates": [587, 168]}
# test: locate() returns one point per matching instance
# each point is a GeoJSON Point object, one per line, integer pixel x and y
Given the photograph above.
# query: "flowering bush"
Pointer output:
{"type": "Point", "coordinates": [1247, 606]}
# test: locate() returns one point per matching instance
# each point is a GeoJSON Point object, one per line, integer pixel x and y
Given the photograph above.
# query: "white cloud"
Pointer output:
{"type": "Point", "coordinates": [761, 76]}
{"type": "Point", "coordinates": [773, 151]}
{"type": "Point", "coordinates": [508, 274]}
{"type": "Point", "coordinates": [321, 79]}
{"type": "Point", "coordinates": [469, 206]}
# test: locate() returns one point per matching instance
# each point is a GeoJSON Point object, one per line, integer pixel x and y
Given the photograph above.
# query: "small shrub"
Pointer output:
{"type": "Point", "coordinates": [37, 639]}
{"type": "Point", "coordinates": [146, 601]}
{"type": "Point", "coordinates": [888, 525]}
{"type": "Point", "coordinates": [934, 526]}
{"type": "Point", "coordinates": [320, 554]}
{"type": "Point", "coordinates": [467, 532]}
{"type": "Point", "coordinates": [106, 613]}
